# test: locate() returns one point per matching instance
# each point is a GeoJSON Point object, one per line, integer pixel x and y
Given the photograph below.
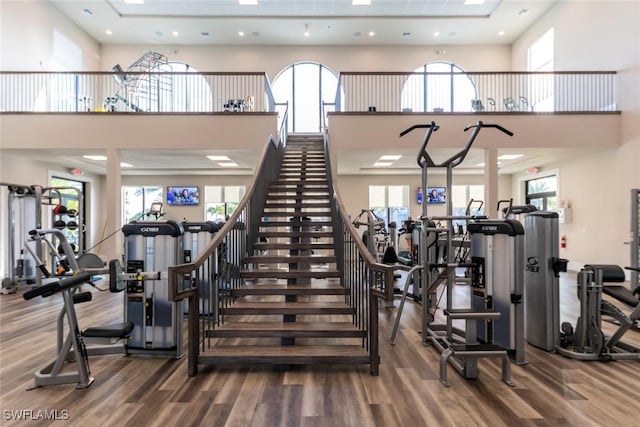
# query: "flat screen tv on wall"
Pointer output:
{"type": "Point", "coordinates": [183, 195]}
{"type": "Point", "coordinates": [436, 195]}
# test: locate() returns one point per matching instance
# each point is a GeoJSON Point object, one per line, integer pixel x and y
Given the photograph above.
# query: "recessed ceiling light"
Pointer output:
{"type": "Point", "coordinates": [95, 157]}
{"type": "Point", "coordinates": [228, 164]}
{"type": "Point", "coordinates": [361, 2]}
{"type": "Point", "coordinates": [108, 32]}
{"type": "Point", "coordinates": [125, 165]}
{"type": "Point", "coordinates": [248, 2]}
{"type": "Point", "coordinates": [306, 30]}
{"type": "Point", "coordinates": [436, 34]}
{"type": "Point", "coordinates": [219, 158]}
{"type": "Point", "coordinates": [241, 33]}
{"type": "Point", "coordinates": [372, 33]}
{"type": "Point", "coordinates": [510, 156]}
{"type": "Point", "coordinates": [175, 33]}
{"type": "Point", "coordinates": [390, 157]}
{"type": "Point", "coordinates": [501, 33]}
{"type": "Point", "coordinates": [382, 164]}
{"type": "Point", "coordinates": [134, 1]}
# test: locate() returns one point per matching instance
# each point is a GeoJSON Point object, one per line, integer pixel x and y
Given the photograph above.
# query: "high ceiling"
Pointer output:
{"type": "Point", "coordinates": [283, 22]}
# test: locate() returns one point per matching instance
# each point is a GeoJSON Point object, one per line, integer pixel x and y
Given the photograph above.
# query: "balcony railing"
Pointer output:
{"type": "Point", "coordinates": [172, 92]}
{"type": "Point", "coordinates": [466, 92]}
{"type": "Point", "coordinates": [203, 92]}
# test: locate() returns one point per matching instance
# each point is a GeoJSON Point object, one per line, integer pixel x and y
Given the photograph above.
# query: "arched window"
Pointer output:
{"type": "Point", "coordinates": [439, 86]}
{"type": "Point", "coordinates": [179, 92]}
{"type": "Point", "coordinates": [305, 86]}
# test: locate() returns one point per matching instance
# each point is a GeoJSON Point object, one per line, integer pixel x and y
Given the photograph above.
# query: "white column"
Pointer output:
{"type": "Point", "coordinates": [112, 247]}
{"type": "Point", "coordinates": [491, 181]}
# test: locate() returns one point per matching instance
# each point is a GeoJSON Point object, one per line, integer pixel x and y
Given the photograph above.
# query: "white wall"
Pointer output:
{"type": "Point", "coordinates": [27, 38]}
{"type": "Point", "coordinates": [589, 35]}
{"type": "Point", "coordinates": [273, 59]}
{"type": "Point", "coordinates": [597, 35]}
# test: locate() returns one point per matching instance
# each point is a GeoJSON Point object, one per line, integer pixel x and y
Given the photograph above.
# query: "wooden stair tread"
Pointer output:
{"type": "Point", "coordinates": [310, 233]}
{"type": "Point", "coordinates": [291, 354]}
{"type": "Point", "coordinates": [318, 169]}
{"type": "Point", "coordinates": [297, 181]}
{"type": "Point", "coordinates": [300, 195]}
{"type": "Point", "coordinates": [282, 289]}
{"type": "Point", "coordinates": [297, 214]}
{"type": "Point", "coordinates": [301, 184]}
{"type": "Point", "coordinates": [286, 329]}
{"type": "Point", "coordinates": [282, 308]}
{"type": "Point", "coordinates": [319, 326]}
{"type": "Point", "coordinates": [293, 246]}
{"type": "Point", "coordinates": [307, 162]}
{"type": "Point", "coordinates": [313, 223]}
{"type": "Point", "coordinates": [287, 304]}
{"type": "Point", "coordinates": [294, 204]}
{"type": "Point", "coordinates": [290, 274]}
{"type": "Point", "coordinates": [289, 259]}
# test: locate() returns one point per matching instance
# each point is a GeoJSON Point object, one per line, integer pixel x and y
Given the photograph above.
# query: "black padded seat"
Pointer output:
{"type": "Point", "coordinates": [117, 330]}
{"type": "Point", "coordinates": [611, 273]}
{"type": "Point", "coordinates": [622, 294]}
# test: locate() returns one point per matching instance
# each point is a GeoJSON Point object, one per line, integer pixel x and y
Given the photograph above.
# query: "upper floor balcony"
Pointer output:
{"type": "Point", "coordinates": [136, 110]}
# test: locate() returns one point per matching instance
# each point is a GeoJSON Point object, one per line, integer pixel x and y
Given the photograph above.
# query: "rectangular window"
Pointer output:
{"type": "Point", "coordinates": [136, 202]}
{"type": "Point", "coordinates": [540, 57]}
{"type": "Point", "coordinates": [222, 201]}
{"type": "Point", "coordinates": [390, 202]}
{"type": "Point", "coordinates": [543, 192]}
{"type": "Point", "coordinates": [466, 200]}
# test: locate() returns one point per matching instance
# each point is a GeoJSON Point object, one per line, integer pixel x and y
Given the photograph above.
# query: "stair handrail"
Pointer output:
{"type": "Point", "coordinates": [180, 283]}
{"type": "Point", "coordinates": [377, 276]}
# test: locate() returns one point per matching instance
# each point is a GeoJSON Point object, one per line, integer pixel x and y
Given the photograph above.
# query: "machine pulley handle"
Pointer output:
{"type": "Point", "coordinates": [480, 124]}
{"type": "Point", "coordinates": [51, 288]}
{"type": "Point", "coordinates": [423, 157]}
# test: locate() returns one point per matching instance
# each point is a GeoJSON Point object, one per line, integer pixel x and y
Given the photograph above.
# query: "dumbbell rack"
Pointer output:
{"type": "Point", "coordinates": [51, 197]}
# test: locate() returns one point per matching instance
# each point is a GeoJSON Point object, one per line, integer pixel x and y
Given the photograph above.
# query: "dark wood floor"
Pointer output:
{"type": "Point", "coordinates": [133, 391]}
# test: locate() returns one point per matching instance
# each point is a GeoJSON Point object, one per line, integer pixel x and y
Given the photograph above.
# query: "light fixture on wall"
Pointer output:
{"type": "Point", "coordinates": [306, 30]}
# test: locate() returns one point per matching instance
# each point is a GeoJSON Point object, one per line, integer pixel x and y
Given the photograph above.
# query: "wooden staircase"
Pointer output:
{"type": "Point", "coordinates": [292, 308]}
